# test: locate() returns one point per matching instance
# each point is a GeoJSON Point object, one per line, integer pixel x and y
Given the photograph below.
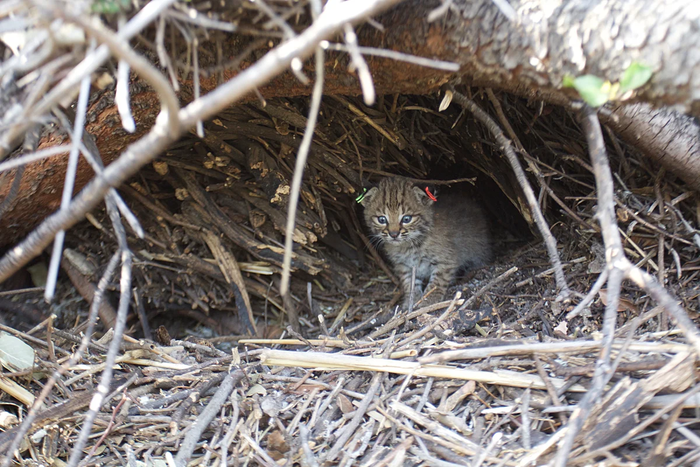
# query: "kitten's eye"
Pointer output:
{"type": "Point", "coordinates": [382, 220]}
{"type": "Point", "coordinates": [406, 219]}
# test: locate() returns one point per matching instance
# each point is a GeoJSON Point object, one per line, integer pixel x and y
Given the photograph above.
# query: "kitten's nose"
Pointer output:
{"type": "Point", "coordinates": [394, 233]}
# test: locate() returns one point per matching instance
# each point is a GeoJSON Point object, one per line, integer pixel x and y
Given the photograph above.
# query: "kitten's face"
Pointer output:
{"type": "Point", "coordinates": [397, 212]}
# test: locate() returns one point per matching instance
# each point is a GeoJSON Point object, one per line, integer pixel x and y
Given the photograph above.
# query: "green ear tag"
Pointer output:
{"type": "Point", "coordinates": [361, 196]}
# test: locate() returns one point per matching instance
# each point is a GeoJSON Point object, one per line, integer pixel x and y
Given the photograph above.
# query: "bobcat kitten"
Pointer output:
{"type": "Point", "coordinates": [437, 238]}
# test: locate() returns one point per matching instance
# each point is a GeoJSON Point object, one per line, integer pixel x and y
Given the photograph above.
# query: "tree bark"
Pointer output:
{"type": "Point", "coordinates": [669, 138]}
{"type": "Point", "coordinates": [528, 56]}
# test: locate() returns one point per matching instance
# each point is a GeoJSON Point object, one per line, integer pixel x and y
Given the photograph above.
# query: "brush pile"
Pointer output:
{"type": "Point", "coordinates": [488, 378]}
{"type": "Point", "coordinates": [545, 357]}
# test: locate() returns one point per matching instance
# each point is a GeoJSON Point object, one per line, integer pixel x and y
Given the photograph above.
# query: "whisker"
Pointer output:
{"type": "Point", "coordinates": [375, 240]}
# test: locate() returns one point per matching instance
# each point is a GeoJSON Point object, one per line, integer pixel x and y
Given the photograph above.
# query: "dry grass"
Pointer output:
{"type": "Point", "coordinates": [492, 382]}
{"type": "Point", "coordinates": [219, 367]}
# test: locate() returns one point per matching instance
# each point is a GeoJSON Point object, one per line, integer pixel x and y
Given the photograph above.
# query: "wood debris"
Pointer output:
{"type": "Point", "coordinates": [492, 377]}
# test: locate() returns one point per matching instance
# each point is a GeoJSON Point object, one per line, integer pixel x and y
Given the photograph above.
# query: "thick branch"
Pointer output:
{"type": "Point", "coordinates": [150, 146]}
{"type": "Point", "coordinates": [669, 138]}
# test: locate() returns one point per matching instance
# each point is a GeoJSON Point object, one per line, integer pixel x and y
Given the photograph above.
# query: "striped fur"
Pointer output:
{"type": "Point", "coordinates": [437, 240]}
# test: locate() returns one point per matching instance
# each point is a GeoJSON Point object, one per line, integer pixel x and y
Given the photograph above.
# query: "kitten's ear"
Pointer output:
{"type": "Point", "coordinates": [365, 198]}
{"type": "Point", "coordinates": [423, 196]}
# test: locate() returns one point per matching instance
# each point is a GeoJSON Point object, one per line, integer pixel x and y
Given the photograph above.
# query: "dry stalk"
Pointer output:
{"type": "Point", "coordinates": [100, 394]}
{"type": "Point", "coordinates": [322, 361]}
{"type": "Point", "coordinates": [437, 428]}
{"type": "Point", "coordinates": [527, 348]}
{"type": "Point", "coordinates": [298, 173]}
{"type": "Point", "coordinates": [394, 55]}
{"type": "Point", "coordinates": [349, 430]}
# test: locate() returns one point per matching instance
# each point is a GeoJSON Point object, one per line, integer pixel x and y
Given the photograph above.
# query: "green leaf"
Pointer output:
{"type": "Point", "coordinates": [635, 76]}
{"type": "Point", "coordinates": [568, 81]}
{"type": "Point", "coordinates": [108, 7]}
{"type": "Point", "coordinates": [38, 273]}
{"type": "Point", "coordinates": [593, 90]}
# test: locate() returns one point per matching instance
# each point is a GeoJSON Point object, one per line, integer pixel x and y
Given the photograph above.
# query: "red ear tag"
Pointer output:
{"type": "Point", "coordinates": [430, 195]}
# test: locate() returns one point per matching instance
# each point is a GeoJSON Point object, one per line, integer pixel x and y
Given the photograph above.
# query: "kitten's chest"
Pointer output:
{"type": "Point", "coordinates": [418, 258]}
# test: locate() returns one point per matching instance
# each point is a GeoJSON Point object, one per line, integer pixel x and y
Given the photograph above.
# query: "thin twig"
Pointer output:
{"type": "Point", "coordinates": [670, 304]}
{"type": "Point", "coordinates": [163, 54]}
{"type": "Point", "coordinates": [92, 155]}
{"type": "Point", "coordinates": [601, 375]}
{"type": "Point", "coordinates": [114, 347]}
{"type": "Point", "coordinates": [358, 63]}
{"type": "Point", "coordinates": [274, 17]}
{"type": "Point", "coordinates": [350, 428]}
{"type": "Point", "coordinates": [200, 19]}
{"type": "Point", "coordinates": [211, 410]}
{"type": "Point", "coordinates": [68, 185]}
{"type": "Point", "coordinates": [232, 430]}
{"type": "Point", "coordinates": [426, 329]}
{"type": "Point", "coordinates": [615, 262]}
{"type": "Point", "coordinates": [195, 72]}
{"type": "Point", "coordinates": [299, 173]}
{"type": "Point", "coordinates": [467, 303]}
{"type": "Point", "coordinates": [89, 64]}
{"type": "Point", "coordinates": [75, 358]}
{"type": "Point", "coordinates": [614, 254]}
{"type": "Point", "coordinates": [422, 180]}
{"type": "Point", "coordinates": [619, 267]}
{"type": "Point", "coordinates": [305, 448]}
{"type": "Point", "coordinates": [599, 283]}
{"type": "Point", "coordinates": [121, 96]}
{"type": "Point", "coordinates": [394, 55]}
{"type": "Point", "coordinates": [540, 221]}
{"type": "Point", "coordinates": [170, 104]}
{"type": "Point", "coordinates": [27, 158]}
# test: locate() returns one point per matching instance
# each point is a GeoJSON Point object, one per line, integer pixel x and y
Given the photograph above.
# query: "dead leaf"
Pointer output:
{"type": "Point", "coordinates": [281, 126]}
{"type": "Point", "coordinates": [276, 445]}
{"type": "Point", "coordinates": [562, 328]}
{"type": "Point", "coordinates": [344, 404]}
{"type": "Point", "coordinates": [622, 305]}
{"type": "Point", "coordinates": [622, 215]}
{"type": "Point", "coordinates": [257, 218]}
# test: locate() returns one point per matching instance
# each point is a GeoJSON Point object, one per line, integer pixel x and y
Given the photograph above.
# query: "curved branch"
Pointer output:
{"type": "Point", "coordinates": [619, 268]}
{"type": "Point", "coordinates": [156, 141]}
{"type": "Point", "coordinates": [507, 148]}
